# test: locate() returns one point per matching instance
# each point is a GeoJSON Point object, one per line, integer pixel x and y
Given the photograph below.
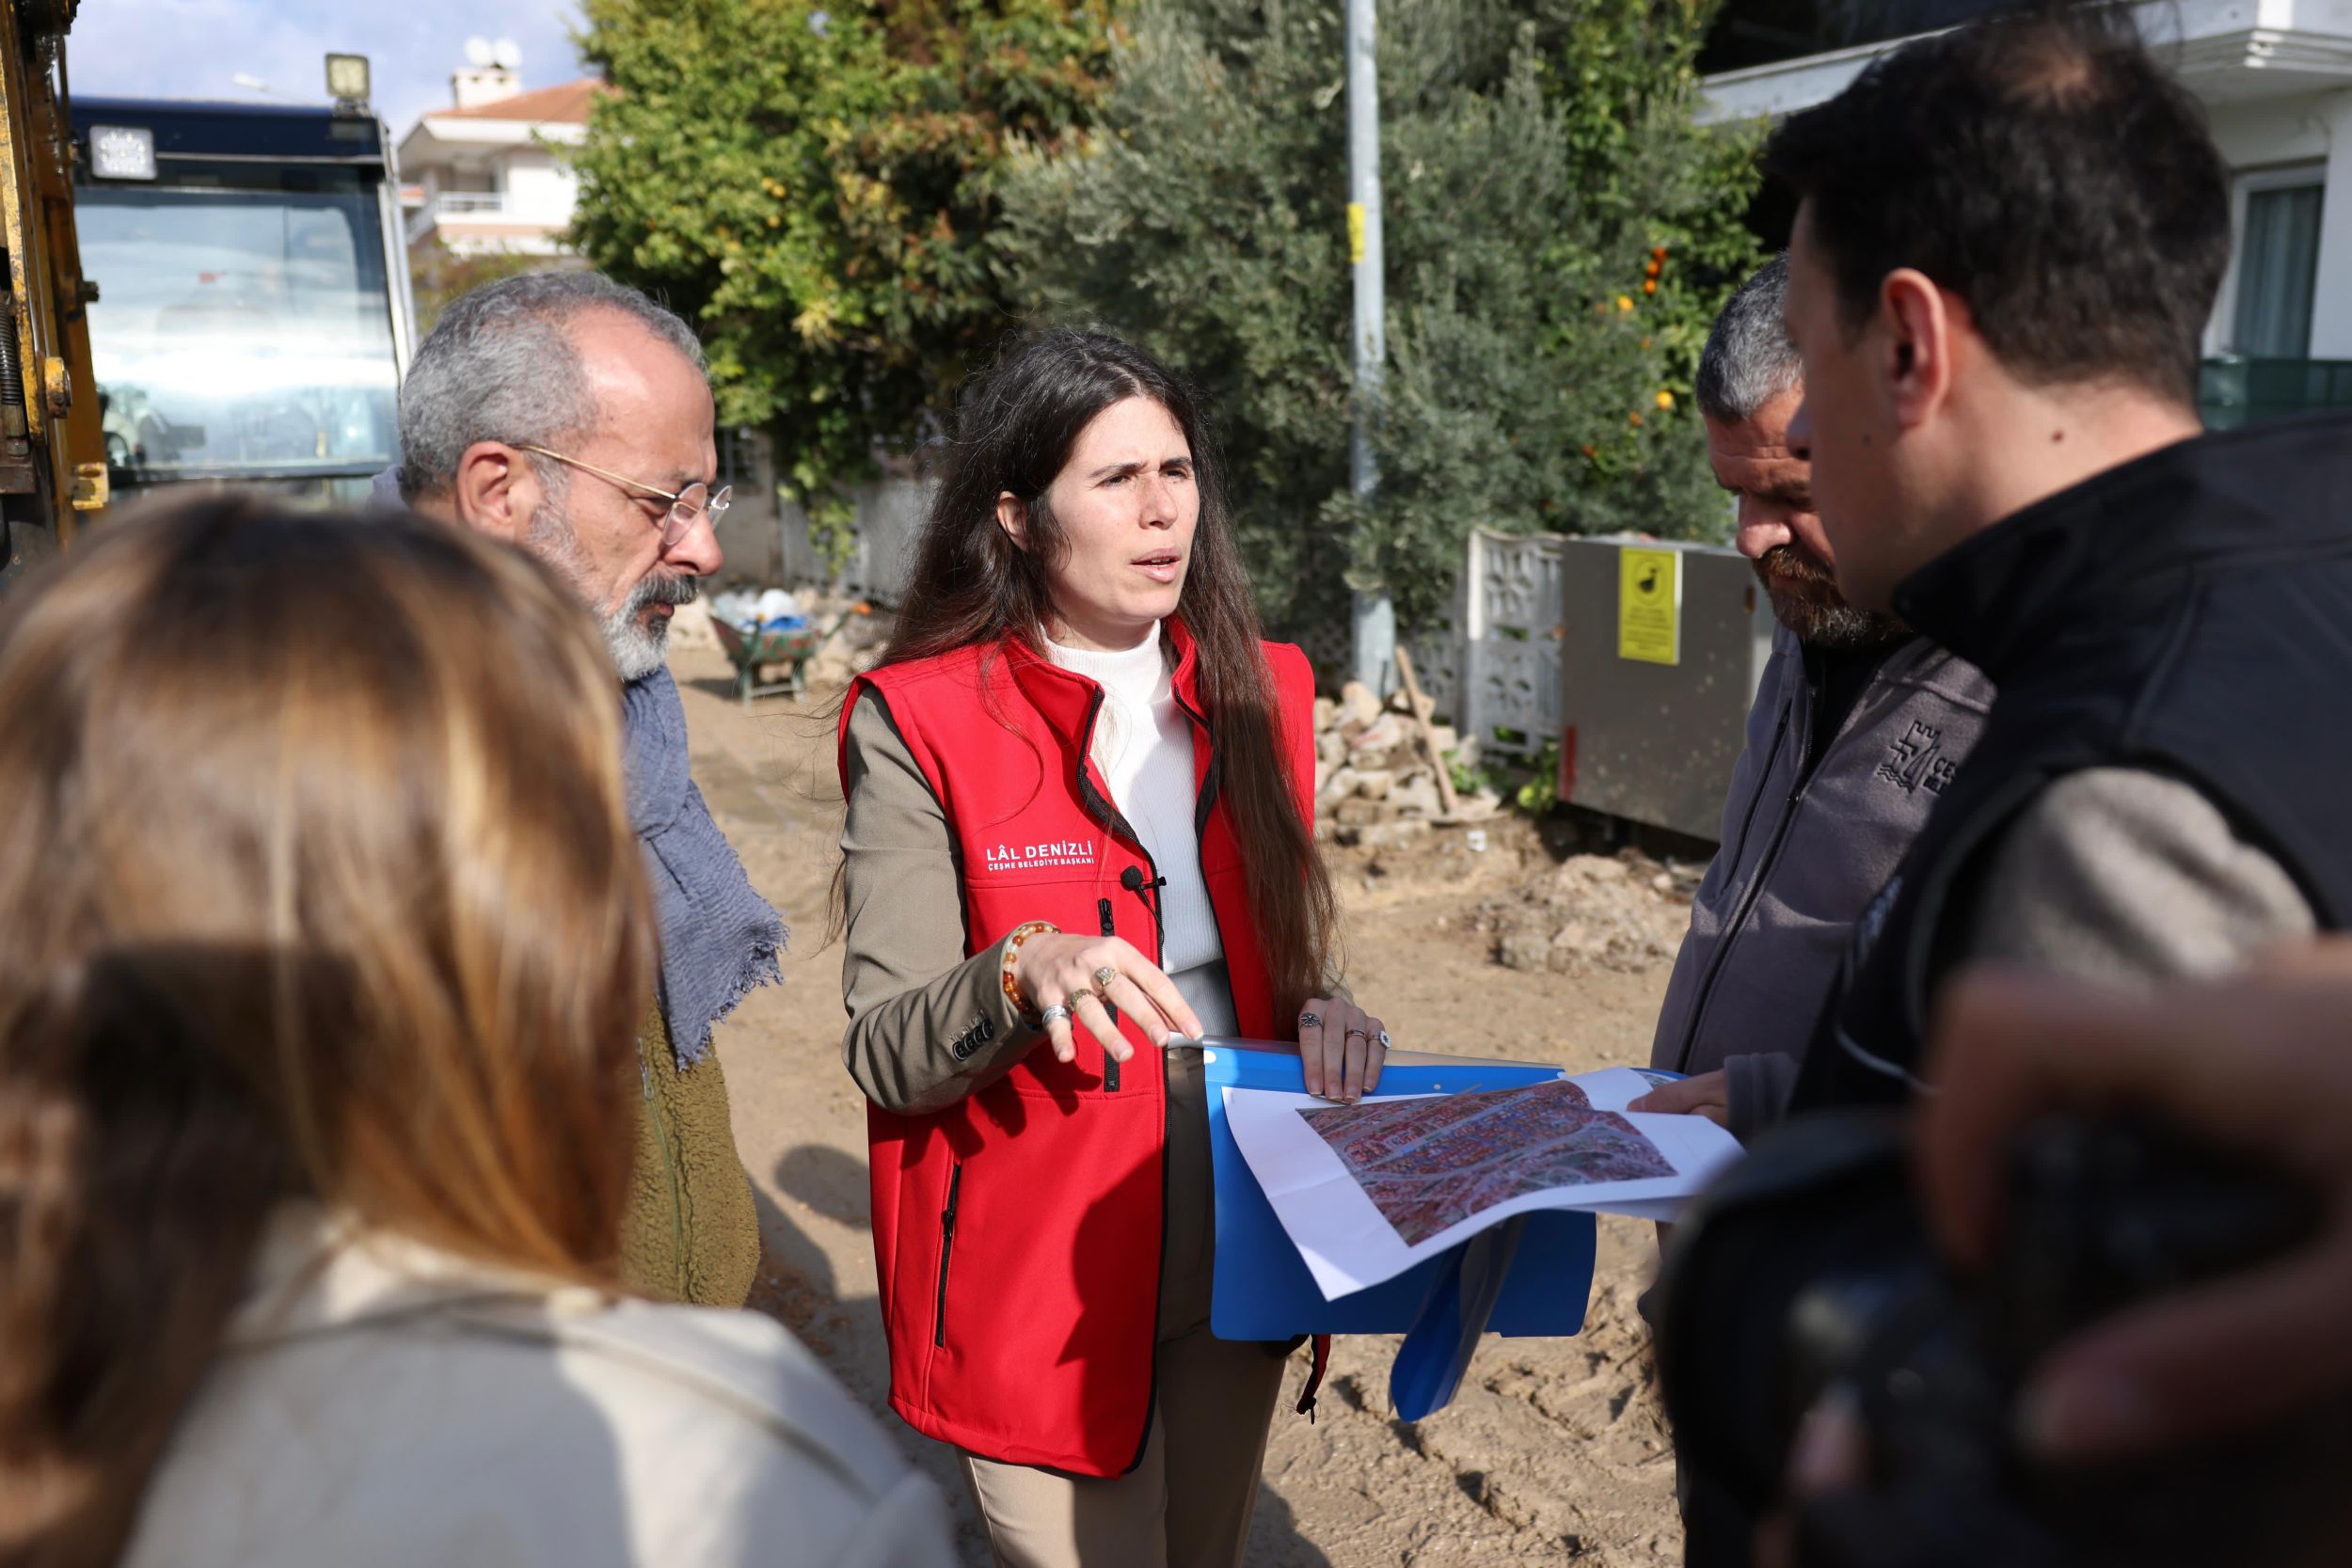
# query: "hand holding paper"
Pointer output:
{"type": "Point", "coordinates": [1367, 1191]}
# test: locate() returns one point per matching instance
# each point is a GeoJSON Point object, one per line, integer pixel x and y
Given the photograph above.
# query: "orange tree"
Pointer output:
{"type": "Point", "coordinates": [816, 187]}
{"type": "Point", "coordinates": [1559, 230]}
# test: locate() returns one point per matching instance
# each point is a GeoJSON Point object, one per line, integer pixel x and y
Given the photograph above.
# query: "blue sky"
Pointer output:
{"type": "Point", "coordinates": [193, 48]}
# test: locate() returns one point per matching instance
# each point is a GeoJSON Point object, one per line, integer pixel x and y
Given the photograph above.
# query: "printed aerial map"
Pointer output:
{"type": "Point", "coordinates": [1430, 1163]}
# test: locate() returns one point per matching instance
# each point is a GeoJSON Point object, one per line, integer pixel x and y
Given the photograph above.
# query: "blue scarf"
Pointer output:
{"type": "Point", "coordinates": [720, 940]}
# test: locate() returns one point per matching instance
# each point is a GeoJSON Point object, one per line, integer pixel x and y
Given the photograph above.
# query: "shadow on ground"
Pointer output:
{"type": "Point", "coordinates": [831, 1182]}
{"type": "Point", "coordinates": [766, 699]}
{"type": "Point", "coordinates": [718, 685]}
{"type": "Point", "coordinates": [1275, 1541]}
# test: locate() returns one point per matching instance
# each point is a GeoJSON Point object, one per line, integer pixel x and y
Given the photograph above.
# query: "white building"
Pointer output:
{"type": "Point", "coordinates": [489, 173]}
{"type": "Point", "coordinates": [2276, 79]}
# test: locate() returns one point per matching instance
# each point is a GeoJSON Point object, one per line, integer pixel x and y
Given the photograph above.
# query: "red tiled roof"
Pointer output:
{"type": "Point", "coordinates": [567, 104]}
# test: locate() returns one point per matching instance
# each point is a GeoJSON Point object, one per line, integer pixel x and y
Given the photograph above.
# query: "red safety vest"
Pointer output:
{"type": "Point", "coordinates": [1017, 1233]}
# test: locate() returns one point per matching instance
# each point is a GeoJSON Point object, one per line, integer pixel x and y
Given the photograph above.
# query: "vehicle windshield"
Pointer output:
{"type": "Point", "coordinates": [240, 333]}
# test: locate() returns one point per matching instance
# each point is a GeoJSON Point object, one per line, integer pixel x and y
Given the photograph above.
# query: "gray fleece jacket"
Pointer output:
{"type": "Point", "coordinates": [1802, 851]}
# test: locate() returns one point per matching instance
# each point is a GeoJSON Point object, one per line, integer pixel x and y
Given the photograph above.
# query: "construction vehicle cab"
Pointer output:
{"type": "Point", "coordinates": [254, 318]}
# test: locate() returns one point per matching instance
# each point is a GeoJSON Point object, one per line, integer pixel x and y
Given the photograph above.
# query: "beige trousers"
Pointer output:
{"type": "Point", "coordinates": [1186, 1506]}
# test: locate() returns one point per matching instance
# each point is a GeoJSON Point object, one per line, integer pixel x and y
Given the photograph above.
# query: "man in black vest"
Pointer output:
{"type": "Point", "coordinates": [2008, 241]}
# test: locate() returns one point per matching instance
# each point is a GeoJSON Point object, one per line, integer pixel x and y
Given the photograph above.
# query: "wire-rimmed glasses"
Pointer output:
{"type": "Point", "coordinates": [687, 506]}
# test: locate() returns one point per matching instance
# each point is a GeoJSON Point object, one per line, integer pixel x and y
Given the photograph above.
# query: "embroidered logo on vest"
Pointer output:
{"type": "Point", "coordinates": [1038, 857]}
{"type": "Point", "coordinates": [1917, 761]}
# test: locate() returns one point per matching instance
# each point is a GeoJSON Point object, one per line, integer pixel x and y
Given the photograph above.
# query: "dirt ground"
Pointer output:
{"type": "Point", "coordinates": [1553, 1451]}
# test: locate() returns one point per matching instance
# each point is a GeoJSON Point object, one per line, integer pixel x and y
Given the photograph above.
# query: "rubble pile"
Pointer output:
{"type": "Point", "coordinates": [855, 639]}
{"type": "Point", "coordinates": [854, 630]}
{"type": "Point", "coordinates": [1374, 782]}
{"type": "Point", "coordinates": [1624, 912]}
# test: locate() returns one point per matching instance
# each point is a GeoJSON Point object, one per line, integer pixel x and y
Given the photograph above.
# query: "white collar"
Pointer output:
{"type": "Point", "coordinates": [1136, 673]}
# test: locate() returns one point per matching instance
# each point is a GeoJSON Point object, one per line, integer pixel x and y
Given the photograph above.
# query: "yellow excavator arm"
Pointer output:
{"type": "Point", "coordinates": [53, 455]}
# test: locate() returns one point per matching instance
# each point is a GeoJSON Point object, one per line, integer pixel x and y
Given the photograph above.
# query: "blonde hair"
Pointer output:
{"type": "Point", "coordinates": [315, 879]}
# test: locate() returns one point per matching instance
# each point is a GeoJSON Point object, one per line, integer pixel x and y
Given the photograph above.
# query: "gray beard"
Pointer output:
{"type": "Point", "coordinates": [1806, 600]}
{"type": "Point", "coordinates": [638, 649]}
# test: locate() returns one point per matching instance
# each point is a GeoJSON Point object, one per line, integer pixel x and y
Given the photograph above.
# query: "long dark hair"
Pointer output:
{"type": "Point", "coordinates": [971, 584]}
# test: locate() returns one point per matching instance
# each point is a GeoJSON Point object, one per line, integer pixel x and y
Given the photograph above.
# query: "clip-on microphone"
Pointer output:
{"type": "Point", "coordinates": [1132, 880]}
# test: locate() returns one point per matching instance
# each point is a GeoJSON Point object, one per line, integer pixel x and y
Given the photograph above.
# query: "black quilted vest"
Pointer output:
{"type": "Point", "coordinates": [2190, 612]}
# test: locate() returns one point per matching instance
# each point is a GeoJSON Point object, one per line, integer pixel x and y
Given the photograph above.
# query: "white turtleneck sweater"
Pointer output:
{"type": "Point", "coordinates": [1143, 746]}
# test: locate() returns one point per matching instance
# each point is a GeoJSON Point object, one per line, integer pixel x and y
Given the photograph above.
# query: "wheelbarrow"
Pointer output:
{"type": "Point", "coordinates": [791, 648]}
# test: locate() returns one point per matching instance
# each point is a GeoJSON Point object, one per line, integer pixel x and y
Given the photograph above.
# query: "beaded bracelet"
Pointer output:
{"type": "Point", "coordinates": [1013, 943]}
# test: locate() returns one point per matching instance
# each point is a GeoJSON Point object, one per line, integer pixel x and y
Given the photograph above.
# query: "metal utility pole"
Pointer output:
{"type": "Point", "coordinates": [1374, 617]}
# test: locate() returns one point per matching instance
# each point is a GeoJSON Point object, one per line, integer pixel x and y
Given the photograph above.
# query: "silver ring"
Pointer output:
{"type": "Point", "coordinates": [1049, 1016]}
{"type": "Point", "coordinates": [1363, 1034]}
{"type": "Point", "coordinates": [1310, 1021]}
{"type": "Point", "coordinates": [1384, 1039]}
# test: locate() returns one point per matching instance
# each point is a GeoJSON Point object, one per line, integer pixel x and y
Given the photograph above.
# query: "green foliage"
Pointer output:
{"type": "Point", "coordinates": [832, 528]}
{"type": "Point", "coordinates": [438, 275]}
{"type": "Point", "coordinates": [1467, 780]}
{"type": "Point", "coordinates": [1536, 159]}
{"type": "Point", "coordinates": [814, 185]}
{"type": "Point", "coordinates": [1541, 791]}
{"type": "Point", "coordinates": [855, 201]}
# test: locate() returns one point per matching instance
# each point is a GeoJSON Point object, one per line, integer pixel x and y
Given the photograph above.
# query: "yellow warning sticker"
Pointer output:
{"type": "Point", "coordinates": [1354, 233]}
{"type": "Point", "coordinates": [1649, 604]}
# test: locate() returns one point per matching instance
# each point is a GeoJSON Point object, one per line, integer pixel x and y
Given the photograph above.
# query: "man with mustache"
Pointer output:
{"type": "Point", "coordinates": [1858, 726]}
{"type": "Point", "coordinates": [571, 416]}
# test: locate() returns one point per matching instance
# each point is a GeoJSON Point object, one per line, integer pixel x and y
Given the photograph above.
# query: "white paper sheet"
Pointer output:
{"type": "Point", "coordinates": [1367, 1191]}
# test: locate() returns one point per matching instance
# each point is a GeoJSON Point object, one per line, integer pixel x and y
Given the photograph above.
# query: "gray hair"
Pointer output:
{"type": "Point", "coordinates": [500, 366]}
{"type": "Point", "coordinates": [1749, 360]}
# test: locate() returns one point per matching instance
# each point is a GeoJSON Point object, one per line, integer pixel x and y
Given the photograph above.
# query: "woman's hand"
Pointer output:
{"type": "Point", "coordinates": [1061, 968]}
{"type": "Point", "coordinates": [1342, 1048]}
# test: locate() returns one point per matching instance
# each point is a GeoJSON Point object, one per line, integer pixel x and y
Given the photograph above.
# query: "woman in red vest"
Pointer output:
{"type": "Point", "coordinates": [1080, 821]}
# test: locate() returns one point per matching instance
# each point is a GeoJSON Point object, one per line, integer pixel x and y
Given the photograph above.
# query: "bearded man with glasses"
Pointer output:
{"type": "Point", "coordinates": [638, 626]}
{"type": "Point", "coordinates": [571, 416]}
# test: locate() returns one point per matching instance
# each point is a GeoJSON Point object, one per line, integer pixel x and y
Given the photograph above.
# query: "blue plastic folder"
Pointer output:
{"type": "Point", "coordinates": [1530, 1276]}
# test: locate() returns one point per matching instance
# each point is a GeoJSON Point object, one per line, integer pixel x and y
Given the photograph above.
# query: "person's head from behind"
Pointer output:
{"type": "Point", "coordinates": [1750, 383]}
{"type": "Point", "coordinates": [2008, 241]}
{"type": "Point", "coordinates": [316, 883]}
{"type": "Point", "coordinates": [572, 414]}
{"type": "Point", "coordinates": [1080, 500]}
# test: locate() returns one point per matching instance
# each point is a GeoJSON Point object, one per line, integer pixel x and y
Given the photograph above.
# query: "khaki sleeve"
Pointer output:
{"type": "Point", "coordinates": [927, 1025]}
{"type": "Point", "coordinates": [2127, 878]}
